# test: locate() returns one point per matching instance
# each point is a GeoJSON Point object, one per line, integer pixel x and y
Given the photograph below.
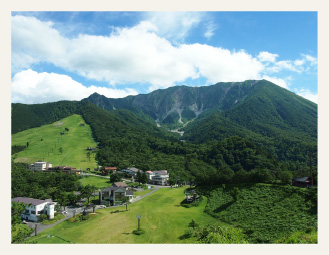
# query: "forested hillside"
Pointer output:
{"type": "Point", "coordinates": [247, 131]}
{"type": "Point", "coordinates": [29, 116]}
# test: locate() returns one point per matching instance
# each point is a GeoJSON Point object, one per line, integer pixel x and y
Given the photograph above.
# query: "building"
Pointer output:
{"type": "Point", "coordinates": [303, 182]}
{"type": "Point", "coordinates": [149, 174]}
{"type": "Point", "coordinates": [64, 169]}
{"type": "Point", "coordinates": [40, 166]}
{"type": "Point", "coordinates": [109, 170]}
{"type": "Point", "coordinates": [115, 195]}
{"type": "Point", "coordinates": [120, 184]}
{"type": "Point", "coordinates": [130, 170]}
{"type": "Point", "coordinates": [160, 178]}
{"type": "Point", "coordinates": [36, 207]}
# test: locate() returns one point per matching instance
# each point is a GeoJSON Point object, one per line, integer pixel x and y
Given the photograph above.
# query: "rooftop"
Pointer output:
{"type": "Point", "coordinates": [27, 200]}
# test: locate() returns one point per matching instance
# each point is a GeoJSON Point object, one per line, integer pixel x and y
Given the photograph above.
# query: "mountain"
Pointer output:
{"type": "Point", "coordinates": [243, 103]}
{"type": "Point", "coordinates": [277, 127]}
{"type": "Point", "coordinates": [180, 104]}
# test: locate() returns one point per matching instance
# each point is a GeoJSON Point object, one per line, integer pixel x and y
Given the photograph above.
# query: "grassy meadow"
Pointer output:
{"type": "Point", "coordinates": [98, 182]}
{"type": "Point", "coordinates": [45, 143]}
{"type": "Point", "coordinates": [163, 219]}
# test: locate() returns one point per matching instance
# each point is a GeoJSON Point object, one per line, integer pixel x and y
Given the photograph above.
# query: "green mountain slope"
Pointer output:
{"type": "Point", "coordinates": [45, 143]}
{"type": "Point", "coordinates": [29, 116]}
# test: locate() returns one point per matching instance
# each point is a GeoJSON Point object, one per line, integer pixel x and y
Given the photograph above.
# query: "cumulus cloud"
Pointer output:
{"type": "Point", "coordinates": [129, 55]}
{"type": "Point", "coordinates": [265, 56]}
{"type": "Point", "coordinates": [141, 54]}
{"type": "Point", "coordinates": [174, 25]}
{"type": "Point", "coordinates": [284, 83]}
{"type": "Point", "coordinates": [32, 87]}
{"type": "Point", "coordinates": [308, 95]}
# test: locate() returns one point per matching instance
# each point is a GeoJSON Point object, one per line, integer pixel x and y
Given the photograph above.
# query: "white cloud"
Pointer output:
{"type": "Point", "coordinates": [284, 83]}
{"type": "Point", "coordinates": [130, 55]}
{"type": "Point", "coordinates": [31, 87]}
{"type": "Point", "coordinates": [140, 54]}
{"type": "Point", "coordinates": [217, 64]}
{"type": "Point", "coordinates": [174, 25]}
{"type": "Point", "coordinates": [308, 95]}
{"type": "Point", "coordinates": [265, 56]}
{"type": "Point", "coordinates": [210, 29]}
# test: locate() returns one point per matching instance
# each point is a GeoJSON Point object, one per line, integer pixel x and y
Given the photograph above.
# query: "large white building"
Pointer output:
{"type": "Point", "coordinates": [36, 207]}
{"type": "Point", "coordinates": [40, 166]}
{"type": "Point", "coordinates": [160, 177]}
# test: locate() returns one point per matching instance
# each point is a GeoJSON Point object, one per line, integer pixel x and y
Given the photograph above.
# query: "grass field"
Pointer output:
{"type": "Point", "coordinates": [45, 141]}
{"type": "Point", "coordinates": [163, 220]}
{"type": "Point", "coordinates": [98, 182]}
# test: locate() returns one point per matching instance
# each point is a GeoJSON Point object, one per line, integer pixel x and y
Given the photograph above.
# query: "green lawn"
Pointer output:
{"type": "Point", "coordinates": [98, 182]}
{"type": "Point", "coordinates": [163, 220]}
{"type": "Point", "coordinates": [45, 141]}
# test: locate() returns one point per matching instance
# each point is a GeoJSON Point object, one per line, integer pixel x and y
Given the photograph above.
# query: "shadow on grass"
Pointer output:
{"type": "Point", "coordinates": [185, 236]}
{"type": "Point", "coordinates": [223, 207]}
{"type": "Point", "coordinates": [126, 234]}
{"type": "Point", "coordinates": [118, 211]}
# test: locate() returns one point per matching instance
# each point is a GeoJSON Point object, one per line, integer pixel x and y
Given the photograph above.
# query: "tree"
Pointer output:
{"type": "Point", "coordinates": [60, 150]}
{"type": "Point", "coordinates": [17, 209]}
{"type": "Point", "coordinates": [115, 178]}
{"type": "Point", "coordinates": [235, 193]}
{"type": "Point", "coordinates": [125, 200]}
{"type": "Point", "coordinates": [63, 199]}
{"type": "Point", "coordinates": [27, 144]}
{"type": "Point", "coordinates": [285, 177]}
{"type": "Point", "coordinates": [193, 225]}
{"type": "Point", "coordinates": [73, 199]}
{"type": "Point", "coordinates": [87, 191]}
{"type": "Point", "coordinates": [88, 155]}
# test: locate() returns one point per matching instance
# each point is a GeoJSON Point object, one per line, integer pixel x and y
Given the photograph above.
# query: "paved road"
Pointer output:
{"type": "Point", "coordinates": [70, 211]}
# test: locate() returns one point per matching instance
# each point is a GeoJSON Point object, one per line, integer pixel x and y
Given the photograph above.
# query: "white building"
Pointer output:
{"type": "Point", "coordinates": [40, 166]}
{"type": "Point", "coordinates": [160, 177]}
{"type": "Point", "coordinates": [149, 174]}
{"type": "Point", "coordinates": [35, 207]}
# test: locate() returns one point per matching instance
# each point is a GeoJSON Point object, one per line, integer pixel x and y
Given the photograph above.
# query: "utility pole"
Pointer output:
{"type": "Point", "coordinates": [310, 156]}
{"type": "Point", "coordinates": [36, 227]}
{"type": "Point", "coordinates": [139, 216]}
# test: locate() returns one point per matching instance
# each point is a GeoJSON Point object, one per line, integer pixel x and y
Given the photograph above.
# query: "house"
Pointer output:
{"type": "Point", "coordinates": [149, 174]}
{"type": "Point", "coordinates": [115, 195]}
{"type": "Point", "coordinates": [160, 178]}
{"type": "Point", "coordinates": [120, 184]}
{"type": "Point", "coordinates": [64, 169]}
{"type": "Point", "coordinates": [130, 170]}
{"type": "Point", "coordinates": [40, 166]}
{"type": "Point", "coordinates": [36, 207]}
{"type": "Point", "coordinates": [303, 182]}
{"type": "Point", "coordinates": [110, 169]}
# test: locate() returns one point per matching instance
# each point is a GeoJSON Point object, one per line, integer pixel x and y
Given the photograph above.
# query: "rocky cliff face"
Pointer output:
{"type": "Point", "coordinates": [178, 105]}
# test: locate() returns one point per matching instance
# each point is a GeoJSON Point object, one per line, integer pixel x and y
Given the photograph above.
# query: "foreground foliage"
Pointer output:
{"type": "Point", "coordinates": [266, 213]}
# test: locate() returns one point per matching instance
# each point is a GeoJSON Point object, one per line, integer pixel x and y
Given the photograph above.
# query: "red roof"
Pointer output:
{"type": "Point", "coordinates": [110, 168]}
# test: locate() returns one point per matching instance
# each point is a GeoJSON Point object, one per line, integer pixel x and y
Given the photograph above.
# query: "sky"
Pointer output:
{"type": "Point", "coordinates": [70, 55]}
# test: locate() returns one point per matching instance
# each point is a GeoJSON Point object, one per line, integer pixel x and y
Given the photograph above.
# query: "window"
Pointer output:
{"type": "Point", "coordinates": [32, 212]}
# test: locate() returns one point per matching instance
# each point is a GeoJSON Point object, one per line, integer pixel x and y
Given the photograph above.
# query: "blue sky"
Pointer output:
{"type": "Point", "coordinates": [70, 55]}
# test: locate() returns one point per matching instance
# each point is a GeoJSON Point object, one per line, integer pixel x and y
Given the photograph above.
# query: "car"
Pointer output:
{"type": "Point", "coordinates": [64, 212]}
{"type": "Point", "coordinates": [102, 206]}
